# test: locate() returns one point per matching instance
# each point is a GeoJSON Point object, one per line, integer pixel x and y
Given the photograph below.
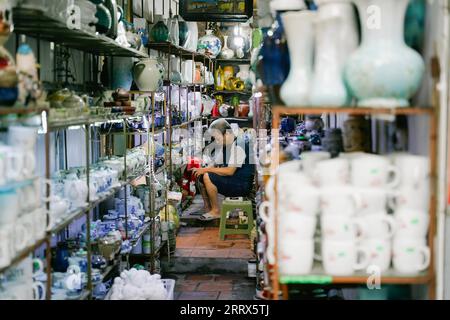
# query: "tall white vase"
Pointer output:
{"type": "Point", "coordinates": [384, 71]}
{"type": "Point", "coordinates": [299, 29]}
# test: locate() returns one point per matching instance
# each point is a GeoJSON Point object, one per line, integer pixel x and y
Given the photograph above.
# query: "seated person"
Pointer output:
{"type": "Point", "coordinates": [231, 174]}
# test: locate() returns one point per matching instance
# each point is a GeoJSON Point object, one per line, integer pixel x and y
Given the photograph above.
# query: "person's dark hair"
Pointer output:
{"type": "Point", "coordinates": [221, 125]}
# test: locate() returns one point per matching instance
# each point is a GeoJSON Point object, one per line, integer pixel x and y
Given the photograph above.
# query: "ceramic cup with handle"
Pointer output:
{"type": "Point", "coordinates": [373, 171]}
{"type": "Point", "coordinates": [414, 170]}
{"type": "Point", "coordinates": [21, 234]}
{"type": "Point", "coordinates": [296, 258]}
{"type": "Point", "coordinates": [310, 159]}
{"type": "Point", "coordinates": [6, 246]}
{"type": "Point", "coordinates": [380, 252]}
{"type": "Point", "coordinates": [337, 227]}
{"type": "Point", "coordinates": [10, 206]}
{"type": "Point", "coordinates": [40, 219]}
{"type": "Point", "coordinates": [12, 164]}
{"type": "Point", "coordinates": [377, 226]}
{"type": "Point", "coordinates": [408, 197]}
{"type": "Point", "coordinates": [294, 227]}
{"type": "Point", "coordinates": [266, 212]}
{"type": "Point", "coordinates": [339, 200]}
{"type": "Point", "coordinates": [299, 200]}
{"type": "Point", "coordinates": [22, 136]}
{"type": "Point", "coordinates": [373, 200]}
{"type": "Point", "coordinates": [343, 258]}
{"type": "Point", "coordinates": [333, 172]}
{"type": "Point", "coordinates": [410, 255]}
{"type": "Point", "coordinates": [412, 223]}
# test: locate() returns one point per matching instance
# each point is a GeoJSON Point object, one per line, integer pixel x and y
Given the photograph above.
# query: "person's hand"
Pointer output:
{"type": "Point", "coordinates": [199, 171]}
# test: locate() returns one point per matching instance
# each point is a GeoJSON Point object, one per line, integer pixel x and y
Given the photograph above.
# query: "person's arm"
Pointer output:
{"type": "Point", "coordinates": [228, 171]}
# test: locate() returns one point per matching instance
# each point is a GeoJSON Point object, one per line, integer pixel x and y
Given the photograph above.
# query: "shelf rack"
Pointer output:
{"type": "Point", "coordinates": [318, 275]}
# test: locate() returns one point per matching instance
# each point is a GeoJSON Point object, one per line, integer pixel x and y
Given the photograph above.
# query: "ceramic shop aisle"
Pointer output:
{"type": "Point", "coordinates": [207, 268]}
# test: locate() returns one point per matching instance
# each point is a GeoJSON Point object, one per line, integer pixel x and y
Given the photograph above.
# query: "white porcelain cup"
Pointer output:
{"type": "Point", "coordinates": [266, 212]}
{"type": "Point", "coordinates": [343, 258]}
{"type": "Point", "coordinates": [40, 219]}
{"type": "Point", "coordinates": [414, 170]}
{"type": "Point", "coordinates": [19, 290]}
{"type": "Point", "coordinates": [335, 227]}
{"type": "Point", "coordinates": [29, 162]}
{"type": "Point", "coordinates": [412, 223]}
{"type": "Point", "coordinates": [373, 200]}
{"type": "Point", "coordinates": [295, 227]}
{"type": "Point", "coordinates": [380, 252]}
{"type": "Point", "coordinates": [38, 290]}
{"type": "Point", "coordinates": [310, 159]}
{"type": "Point", "coordinates": [300, 200]}
{"type": "Point", "coordinates": [21, 234]}
{"type": "Point", "coordinates": [12, 164]}
{"type": "Point", "coordinates": [407, 197]}
{"type": "Point", "coordinates": [333, 172]}
{"type": "Point", "coordinates": [373, 171]}
{"type": "Point", "coordinates": [24, 137]}
{"type": "Point", "coordinates": [9, 206]}
{"type": "Point", "coordinates": [339, 200]}
{"type": "Point", "coordinates": [410, 255]}
{"type": "Point", "coordinates": [296, 258]}
{"type": "Point", "coordinates": [377, 226]}
{"type": "Point", "coordinates": [28, 223]}
{"type": "Point", "coordinates": [6, 250]}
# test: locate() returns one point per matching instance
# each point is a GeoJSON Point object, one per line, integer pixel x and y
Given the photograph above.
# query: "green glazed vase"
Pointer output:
{"type": "Point", "coordinates": [159, 32]}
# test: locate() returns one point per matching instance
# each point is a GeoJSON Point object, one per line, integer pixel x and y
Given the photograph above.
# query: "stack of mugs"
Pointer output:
{"type": "Point", "coordinates": [353, 194]}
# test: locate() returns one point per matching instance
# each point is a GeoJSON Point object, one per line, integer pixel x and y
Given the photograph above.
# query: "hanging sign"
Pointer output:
{"type": "Point", "coordinates": [216, 10]}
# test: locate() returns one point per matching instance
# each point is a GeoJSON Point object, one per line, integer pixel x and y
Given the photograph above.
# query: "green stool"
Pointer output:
{"type": "Point", "coordinates": [236, 217]}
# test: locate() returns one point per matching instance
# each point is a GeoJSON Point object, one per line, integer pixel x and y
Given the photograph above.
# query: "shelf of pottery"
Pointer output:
{"type": "Point", "coordinates": [346, 217]}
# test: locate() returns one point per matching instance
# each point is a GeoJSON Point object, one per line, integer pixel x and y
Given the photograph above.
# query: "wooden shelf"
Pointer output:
{"type": "Point", "coordinates": [15, 110]}
{"type": "Point", "coordinates": [283, 110]}
{"type": "Point", "coordinates": [233, 61]}
{"type": "Point", "coordinates": [35, 23]}
{"type": "Point", "coordinates": [170, 48]}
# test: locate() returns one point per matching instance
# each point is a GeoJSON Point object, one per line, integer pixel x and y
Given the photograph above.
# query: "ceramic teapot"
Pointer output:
{"type": "Point", "coordinates": [75, 190]}
{"type": "Point", "coordinates": [58, 208]}
{"type": "Point", "coordinates": [149, 74]}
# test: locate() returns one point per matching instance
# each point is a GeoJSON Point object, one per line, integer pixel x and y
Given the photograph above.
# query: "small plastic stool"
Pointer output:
{"type": "Point", "coordinates": [236, 217]}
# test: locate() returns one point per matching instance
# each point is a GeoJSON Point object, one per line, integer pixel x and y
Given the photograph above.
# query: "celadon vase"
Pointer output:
{"type": "Point", "coordinates": [384, 71]}
{"type": "Point", "coordinates": [299, 29]}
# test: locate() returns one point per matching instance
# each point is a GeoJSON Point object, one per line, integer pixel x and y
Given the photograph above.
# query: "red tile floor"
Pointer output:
{"type": "Point", "coordinates": [201, 242]}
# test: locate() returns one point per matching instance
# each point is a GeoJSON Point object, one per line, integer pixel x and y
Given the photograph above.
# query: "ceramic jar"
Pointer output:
{"type": "Point", "coordinates": [226, 52]}
{"type": "Point", "coordinates": [104, 19]}
{"type": "Point", "coordinates": [295, 91]}
{"type": "Point", "coordinates": [183, 32]}
{"type": "Point", "coordinates": [415, 24]}
{"type": "Point", "coordinates": [192, 36]}
{"type": "Point", "coordinates": [384, 71]}
{"type": "Point", "coordinates": [336, 40]}
{"type": "Point", "coordinates": [122, 76]}
{"type": "Point", "coordinates": [209, 44]}
{"type": "Point", "coordinates": [159, 32]}
{"type": "Point", "coordinates": [174, 33]}
{"type": "Point", "coordinates": [148, 74]}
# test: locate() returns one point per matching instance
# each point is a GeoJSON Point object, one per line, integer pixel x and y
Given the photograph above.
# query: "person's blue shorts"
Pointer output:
{"type": "Point", "coordinates": [234, 186]}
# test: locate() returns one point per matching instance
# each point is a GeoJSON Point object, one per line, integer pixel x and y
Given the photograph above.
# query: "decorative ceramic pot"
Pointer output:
{"type": "Point", "coordinates": [192, 38]}
{"type": "Point", "coordinates": [104, 19]}
{"type": "Point", "coordinates": [148, 75]}
{"type": "Point", "coordinates": [209, 44]}
{"type": "Point", "coordinates": [122, 76]}
{"type": "Point", "coordinates": [113, 9]}
{"type": "Point", "coordinates": [174, 33]}
{"type": "Point", "coordinates": [239, 41]}
{"type": "Point", "coordinates": [295, 91]}
{"type": "Point", "coordinates": [226, 52]}
{"type": "Point", "coordinates": [159, 32]}
{"type": "Point", "coordinates": [244, 72]}
{"type": "Point", "coordinates": [384, 71]}
{"type": "Point", "coordinates": [183, 32]}
{"type": "Point", "coordinates": [415, 24]}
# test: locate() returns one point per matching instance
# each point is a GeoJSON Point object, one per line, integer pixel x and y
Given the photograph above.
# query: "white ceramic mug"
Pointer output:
{"type": "Point", "coordinates": [38, 290]}
{"type": "Point", "coordinates": [24, 137]}
{"type": "Point", "coordinates": [410, 256]}
{"type": "Point", "coordinates": [9, 206]}
{"type": "Point", "coordinates": [407, 197]}
{"type": "Point", "coordinates": [373, 171]}
{"type": "Point", "coordinates": [414, 170]}
{"type": "Point", "coordinates": [6, 250]}
{"type": "Point", "coordinates": [333, 172]}
{"type": "Point", "coordinates": [300, 200]}
{"type": "Point", "coordinates": [377, 226]}
{"type": "Point", "coordinates": [335, 227]}
{"type": "Point", "coordinates": [28, 223]}
{"type": "Point", "coordinates": [40, 220]}
{"type": "Point", "coordinates": [12, 163]}
{"type": "Point", "coordinates": [294, 227]}
{"type": "Point", "coordinates": [266, 212]}
{"type": "Point", "coordinates": [339, 200]}
{"type": "Point", "coordinates": [309, 160]}
{"type": "Point", "coordinates": [380, 252]}
{"type": "Point", "coordinates": [373, 200]}
{"type": "Point", "coordinates": [412, 223]}
{"type": "Point", "coordinates": [343, 258]}
{"type": "Point", "coordinates": [296, 258]}
{"type": "Point", "coordinates": [21, 234]}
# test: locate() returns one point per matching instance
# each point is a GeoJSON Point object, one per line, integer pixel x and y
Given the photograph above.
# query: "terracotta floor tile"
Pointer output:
{"type": "Point", "coordinates": [227, 277]}
{"type": "Point", "coordinates": [215, 286]}
{"type": "Point", "coordinates": [198, 295]}
{"type": "Point", "coordinates": [183, 252]}
{"type": "Point", "coordinates": [214, 253]}
{"type": "Point", "coordinates": [186, 243]}
{"type": "Point", "coordinates": [200, 277]}
{"type": "Point", "coordinates": [240, 253]}
{"type": "Point", "coordinates": [240, 245]}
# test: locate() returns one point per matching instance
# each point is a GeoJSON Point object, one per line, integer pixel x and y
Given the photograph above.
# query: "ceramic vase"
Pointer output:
{"type": "Point", "coordinates": [384, 71]}
{"type": "Point", "coordinates": [183, 32]}
{"type": "Point", "coordinates": [113, 9]}
{"type": "Point", "coordinates": [192, 38]}
{"type": "Point", "coordinates": [209, 44]}
{"type": "Point", "coordinates": [415, 24]}
{"type": "Point", "coordinates": [174, 33]}
{"type": "Point", "coordinates": [226, 52]}
{"type": "Point", "coordinates": [159, 32]}
{"type": "Point", "coordinates": [295, 91]}
{"type": "Point", "coordinates": [148, 75]}
{"type": "Point", "coordinates": [122, 75]}
{"type": "Point", "coordinates": [328, 87]}
{"type": "Point", "coordinates": [104, 19]}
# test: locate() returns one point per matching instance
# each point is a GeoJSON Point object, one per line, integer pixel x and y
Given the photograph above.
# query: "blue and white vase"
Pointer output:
{"type": "Point", "coordinates": [384, 71]}
{"type": "Point", "coordinates": [209, 44]}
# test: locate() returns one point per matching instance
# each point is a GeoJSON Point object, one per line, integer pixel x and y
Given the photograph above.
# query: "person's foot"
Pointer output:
{"type": "Point", "coordinates": [210, 215]}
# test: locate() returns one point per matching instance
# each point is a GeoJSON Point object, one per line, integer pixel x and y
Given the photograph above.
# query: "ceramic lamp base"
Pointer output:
{"type": "Point", "coordinates": [384, 103]}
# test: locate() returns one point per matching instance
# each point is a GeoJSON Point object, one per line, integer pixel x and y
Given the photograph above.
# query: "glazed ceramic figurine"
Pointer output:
{"type": "Point", "coordinates": [384, 71]}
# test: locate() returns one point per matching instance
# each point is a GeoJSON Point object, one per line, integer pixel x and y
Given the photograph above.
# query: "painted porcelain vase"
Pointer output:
{"type": "Point", "coordinates": [209, 44]}
{"type": "Point", "coordinates": [226, 52]}
{"type": "Point", "coordinates": [384, 71]}
{"type": "Point", "coordinates": [336, 39]}
{"type": "Point", "coordinates": [148, 74]}
{"type": "Point", "coordinates": [295, 91]}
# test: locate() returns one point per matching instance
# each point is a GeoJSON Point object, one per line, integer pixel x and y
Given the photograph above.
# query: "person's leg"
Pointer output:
{"type": "Point", "coordinates": [211, 190]}
{"type": "Point", "coordinates": [204, 194]}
